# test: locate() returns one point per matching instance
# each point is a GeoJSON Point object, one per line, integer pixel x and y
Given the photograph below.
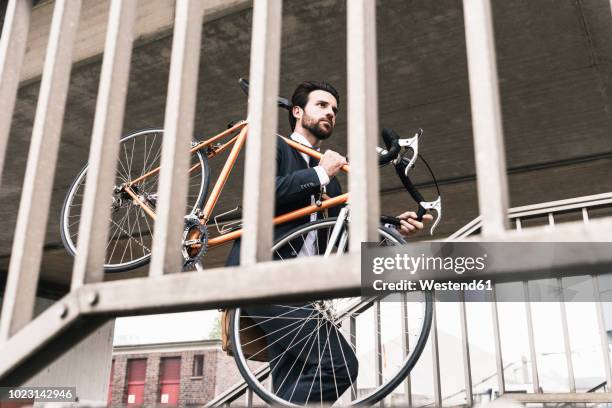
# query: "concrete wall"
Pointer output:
{"type": "Point", "coordinates": [554, 69]}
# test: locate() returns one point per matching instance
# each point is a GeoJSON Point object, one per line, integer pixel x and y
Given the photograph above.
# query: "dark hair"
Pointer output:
{"type": "Point", "coordinates": [300, 96]}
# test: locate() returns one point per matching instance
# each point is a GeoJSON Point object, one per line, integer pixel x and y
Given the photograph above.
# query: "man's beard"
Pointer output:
{"type": "Point", "coordinates": [316, 127]}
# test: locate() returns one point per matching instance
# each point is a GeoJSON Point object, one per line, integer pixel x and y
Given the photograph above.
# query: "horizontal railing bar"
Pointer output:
{"type": "Point", "coordinates": [539, 209]}
{"type": "Point", "coordinates": [238, 389]}
{"type": "Point", "coordinates": [576, 202]}
{"type": "Point", "coordinates": [223, 287]}
{"type": "Point", "coordinates": [44, 339]}
{"type": "Point", "coordinates": [598, 386]}
{"type": "Point", "coordinates": [560, 397]}
{"type": "Point", "coordinates": [231, 286]}
{"type": "Point", "coordinates": [465, 232]}
{"type": "Point", "coordinates": [559, 209]}
{"type": "Point", "coordinates": [574, 231]}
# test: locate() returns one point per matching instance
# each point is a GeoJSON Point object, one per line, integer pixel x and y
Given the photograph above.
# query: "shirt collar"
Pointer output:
{"type": "Point", "coordinates": [297, 137]}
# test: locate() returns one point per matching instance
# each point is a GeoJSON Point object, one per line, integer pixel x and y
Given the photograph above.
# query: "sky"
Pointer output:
{"type": "Point", "coordinates": [164, 327]}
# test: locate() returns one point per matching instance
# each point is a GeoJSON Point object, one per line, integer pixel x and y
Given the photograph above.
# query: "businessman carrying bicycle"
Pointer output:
{"type": "Point", "coordinates": [301, 372]}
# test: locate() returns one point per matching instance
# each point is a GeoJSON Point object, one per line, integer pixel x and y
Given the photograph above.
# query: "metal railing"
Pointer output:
{"type": "Point", "coordinates": [28, 345]}
{"type": "Point", "coordinates": [547, 211]}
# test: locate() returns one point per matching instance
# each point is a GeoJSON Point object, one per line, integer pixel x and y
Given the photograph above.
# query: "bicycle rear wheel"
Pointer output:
{"type": "Point", "coordinates": [131, 230]}
{"type": "Point", "coordinates": [352, 350]}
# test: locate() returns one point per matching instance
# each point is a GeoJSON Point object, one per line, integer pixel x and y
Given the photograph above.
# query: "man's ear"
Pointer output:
{"type": "Point", "coordinates": [297, 112]}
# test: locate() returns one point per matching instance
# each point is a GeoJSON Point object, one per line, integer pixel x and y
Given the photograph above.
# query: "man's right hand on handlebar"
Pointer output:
{"type": "Point", "coordinates": [332, 162]}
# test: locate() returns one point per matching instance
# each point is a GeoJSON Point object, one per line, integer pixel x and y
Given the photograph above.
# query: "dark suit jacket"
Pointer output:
{"type": "Point", "coordinates": [295, 184]}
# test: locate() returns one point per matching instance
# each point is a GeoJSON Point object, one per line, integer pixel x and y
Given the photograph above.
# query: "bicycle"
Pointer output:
{"type": "Point", "coordinates": [128, 247]}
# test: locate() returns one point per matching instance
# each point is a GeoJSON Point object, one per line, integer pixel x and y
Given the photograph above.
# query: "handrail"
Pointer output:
{"type": "Point", "coordinates": [237, 390]}
{"type": "Point", "coordinates": [534, 210]}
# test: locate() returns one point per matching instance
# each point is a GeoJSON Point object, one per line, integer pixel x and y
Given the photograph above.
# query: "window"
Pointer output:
{"type": "Point", "coordinates": [136, 371]}
{"type": "Point", "coordinates": [198, 365]}
{"type": "Point", "coordinates": [169, 380]}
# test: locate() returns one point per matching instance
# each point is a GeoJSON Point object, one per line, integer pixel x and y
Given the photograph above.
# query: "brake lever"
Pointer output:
{"type": "Point", "coordinates": [413, 144]}
{"type": "Point", "coordinates": [436, 206]}
{"type": "Point", "coordinates": [424, 206]}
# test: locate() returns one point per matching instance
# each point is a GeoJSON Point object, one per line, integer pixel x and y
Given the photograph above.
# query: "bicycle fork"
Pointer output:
{"type": "Point", "coordinates": [339, 233]}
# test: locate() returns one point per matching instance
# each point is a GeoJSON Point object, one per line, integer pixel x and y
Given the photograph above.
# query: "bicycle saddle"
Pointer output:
{"type": "Point", "coordinates": [282, 102]}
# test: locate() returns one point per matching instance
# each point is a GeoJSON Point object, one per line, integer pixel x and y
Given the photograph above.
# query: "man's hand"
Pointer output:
{"type": "Point", "coordinates": [332, 162]}
{"type": "Point", "coordinates": [409, 222]}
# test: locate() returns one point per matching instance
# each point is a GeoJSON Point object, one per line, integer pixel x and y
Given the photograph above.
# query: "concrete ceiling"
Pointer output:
{"type": "Point", "coordinates": [555, 71]}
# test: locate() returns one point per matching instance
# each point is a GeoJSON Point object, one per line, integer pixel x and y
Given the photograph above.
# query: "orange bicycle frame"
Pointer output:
{"type": "Point", "coordinates": [237, 141]}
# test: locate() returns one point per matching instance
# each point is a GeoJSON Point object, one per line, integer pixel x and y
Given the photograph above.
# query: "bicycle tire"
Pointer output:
{"type": "Point", "coordinates": [373, 397]}
{"type": "Point", "coordinates": [69, 226]}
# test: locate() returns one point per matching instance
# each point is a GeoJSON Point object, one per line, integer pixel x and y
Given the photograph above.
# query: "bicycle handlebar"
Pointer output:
{"type": "Point", "coordinates": [386, 219]}
{"type": "Point", "coordinates": [391, 140]}
{"type": "Point", "coordinates": [281, 102]}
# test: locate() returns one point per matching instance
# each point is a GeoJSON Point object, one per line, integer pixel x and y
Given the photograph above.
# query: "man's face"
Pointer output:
{"type": "Point", "coordinates": [319, 114]}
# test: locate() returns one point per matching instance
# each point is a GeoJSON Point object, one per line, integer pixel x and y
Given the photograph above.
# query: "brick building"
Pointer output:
{"type": "Point", "coordinates": [179, 374]}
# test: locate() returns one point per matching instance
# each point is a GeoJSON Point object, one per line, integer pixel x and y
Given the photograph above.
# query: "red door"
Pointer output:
{"type": "Point", "coordinates": [136, 370]}
{"type": "Point", "coordinates": [169, 380]}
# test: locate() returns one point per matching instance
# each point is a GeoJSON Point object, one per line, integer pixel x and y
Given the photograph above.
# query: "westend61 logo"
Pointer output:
{"type": "Point", "coordinates": [422, 263]}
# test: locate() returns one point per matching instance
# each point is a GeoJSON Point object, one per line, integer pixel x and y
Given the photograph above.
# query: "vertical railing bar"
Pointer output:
{"type": "Point", "coordinates": [435, 354]}
{"type": "Point", "coordinates": [566, 338]}
{"type": "Point", "coordinates": [108, 123]}
{"type": "Point", "coordinates": [486, 116]}
{"type": "Point", "coordinates": [260, 159]}
{"type": "Point", "coordinates": [13, 40]}
{"type": "Point", "coordinates": [362, 121]}
{"type": "Point", "coordinates": [519, 224]}
{"type": "Point", "coordinates": [498, 350]}
{"type": "Point", "coordinates": [23, 274]}
{"type": "Point", "coordinates": [249, 398]}
{"type": "Point", "coordinates": [406, 347]}
{"type": "Point", "coordinates": [531, 337]}
{"type": "Point", "coordinates": [603, 335]}
{"type": "Point", "coordinates": [551, 219]}
{"type": "Point", "coordinates": [378, 346]}
{"type": "Point", "coordinates": [585, 211]}
{"type": "Point", "coordinates": [178, 131]}
{"type": "Point", "coordinates": [465, 343]}
{"type": "Point", "coordinates": [353, 341]}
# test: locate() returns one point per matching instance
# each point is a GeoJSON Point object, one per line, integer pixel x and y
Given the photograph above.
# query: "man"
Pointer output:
{"type": "Point", "coordinates": [308, 368]}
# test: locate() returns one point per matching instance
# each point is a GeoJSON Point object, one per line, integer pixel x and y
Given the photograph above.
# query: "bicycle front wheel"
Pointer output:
{"type": "Point", "coordinates": [355, 351]}
{"type": "Point", "coordinates": [131, 229]}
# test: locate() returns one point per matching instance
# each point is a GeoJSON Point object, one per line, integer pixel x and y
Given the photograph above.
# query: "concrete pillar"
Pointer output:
{"type": "Point", "coordinates": [86, 366]}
